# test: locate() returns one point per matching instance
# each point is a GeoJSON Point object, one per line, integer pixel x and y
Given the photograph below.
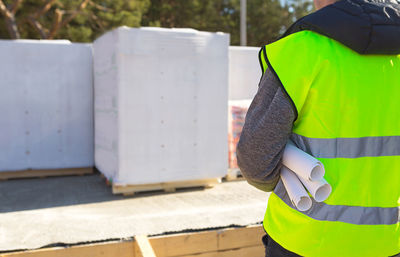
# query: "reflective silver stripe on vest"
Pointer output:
{"type": "Point", "coordinates": [348, 147]}
{"type": "Point", "coordinates": [349, 214]}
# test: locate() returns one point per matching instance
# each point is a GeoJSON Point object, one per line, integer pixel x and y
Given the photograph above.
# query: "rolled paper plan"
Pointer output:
{"type": "Point", "coordinates": [320, 190]}
{"type": "Point", "coordinates": [303, 164]}
{"type": "Point", "coordinates": [297, 194]}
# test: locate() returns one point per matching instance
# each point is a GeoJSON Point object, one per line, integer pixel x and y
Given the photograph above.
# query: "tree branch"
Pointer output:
{"type": "Point", "coordinates": [10, 21]}
{"type": "Point", "coordinates": [38, 27]}
{"type": "Point", "coordinates": [81, 6]}
{"type": "Point", "coordinates": [58, 21]}
{"type": "Point", "coordinates": [56, 24]}
{"type": "Point", "coordinates": [15, 6]}
{"type": "Point", "coordinates": [4, 10]}
{"type": "Point", "coordinates": [98, 21]}
{"type": "Point", "coordinates": [99, 7]}
{"type": "Point", "coordinates": [33, 19]}
{"type": "Point", "coordinates": [45, 8]}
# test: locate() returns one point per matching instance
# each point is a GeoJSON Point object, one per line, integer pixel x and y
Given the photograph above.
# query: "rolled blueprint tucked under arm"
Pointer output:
{"type": "Point", "coordinates": [320, 190]}
{"type": "Point", "coordinates": [302, 164]}
{"type": "Point", "coordinates": [297, 194]}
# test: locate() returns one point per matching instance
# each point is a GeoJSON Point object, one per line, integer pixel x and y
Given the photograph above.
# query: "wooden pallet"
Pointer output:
{"type": "Point", "coordinates": [231, 242]}
{"type": "Point", "coordinates": [234, 175]}
{"type": "Point", "coordinates": [167, 187]}
{"type": "Point", "coordinates": [44, 173]}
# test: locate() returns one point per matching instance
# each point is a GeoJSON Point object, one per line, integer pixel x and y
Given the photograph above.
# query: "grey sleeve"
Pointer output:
{"type": "Point", "coordinates": [267, 128]}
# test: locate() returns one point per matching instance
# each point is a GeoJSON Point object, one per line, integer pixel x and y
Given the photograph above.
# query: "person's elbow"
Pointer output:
{"type": "Point", "coordinates": [261, 172]}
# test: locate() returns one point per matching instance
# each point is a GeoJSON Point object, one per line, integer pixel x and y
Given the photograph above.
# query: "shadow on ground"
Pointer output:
{"type": "Point", "coordinates": [38, 193]}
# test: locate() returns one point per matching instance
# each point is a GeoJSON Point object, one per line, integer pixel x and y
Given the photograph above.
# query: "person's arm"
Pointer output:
{"type": "Point", "coordinates": [267, 128]}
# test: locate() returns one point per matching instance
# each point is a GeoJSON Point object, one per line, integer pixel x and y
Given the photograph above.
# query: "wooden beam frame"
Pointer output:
{"type": "Point", "coordinates": [228, 242]}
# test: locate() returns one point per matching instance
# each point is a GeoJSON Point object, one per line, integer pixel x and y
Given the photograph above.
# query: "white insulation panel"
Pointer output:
{"type": "Point", "coordinates": [161, 105]}
{"type": "Point", "coordinates": [46, 105]}
{"type": "Point", "coordinates": [244, 72]}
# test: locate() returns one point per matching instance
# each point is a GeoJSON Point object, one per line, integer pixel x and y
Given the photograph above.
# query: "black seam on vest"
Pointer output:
{"type": "Point", "coordinates": [292, 28]}
{"type": "Point", "coordinates": [280, 83]}
{"type": "Point", "coordinates": [261, 64]}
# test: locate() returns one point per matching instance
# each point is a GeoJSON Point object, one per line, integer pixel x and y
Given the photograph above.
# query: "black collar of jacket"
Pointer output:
{"type": "Point", "coordinates": [366, 26]}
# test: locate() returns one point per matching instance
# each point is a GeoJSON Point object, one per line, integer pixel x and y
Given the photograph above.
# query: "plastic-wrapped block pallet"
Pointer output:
{"type": "Point", "coordinates": [236, 118]}
{"type": "Point", "coordinates": [46, 105]}
{"type": "Point", "coordinates": [244, 72]}
{"type": "Point", "coordinates": [161, 105]}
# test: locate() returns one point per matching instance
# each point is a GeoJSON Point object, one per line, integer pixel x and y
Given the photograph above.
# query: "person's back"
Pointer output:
{"type": "Point", "coordinates": [340, 68]}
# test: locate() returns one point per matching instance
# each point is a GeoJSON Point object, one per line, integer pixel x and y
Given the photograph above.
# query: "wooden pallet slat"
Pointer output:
{"type": "Point", "coordinates": [5, 175]}
{"type": "Point", "coordinates": [167, 186]}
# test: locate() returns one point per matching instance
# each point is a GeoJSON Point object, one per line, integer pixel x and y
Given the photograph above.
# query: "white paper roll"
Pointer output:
{"type": "Point", "coordinates": [320, 190]}
{"type": "Point", "coordinates": [297, 194]}
{"type": "Point", "coordinates": [303, 164]}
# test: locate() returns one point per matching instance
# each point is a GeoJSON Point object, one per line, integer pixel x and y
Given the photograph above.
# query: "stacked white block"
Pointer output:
{"type": "Point", "coordinates": [244, 72]}
{"type": "Point", "coordinates": [46, 105]}
{"type": "Point", "coordinates": [161, 105]}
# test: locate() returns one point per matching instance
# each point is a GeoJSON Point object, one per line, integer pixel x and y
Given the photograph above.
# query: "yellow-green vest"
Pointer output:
{"type": "Point", "coordinates": [348, 117]}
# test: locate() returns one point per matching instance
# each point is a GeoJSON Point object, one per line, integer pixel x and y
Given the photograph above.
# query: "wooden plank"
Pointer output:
{"type": "Point", "coordinates": [219, 243]}
{"type": "Point", "coordinates": [113, 249]}
{"type": "Point", "coordinates": [143, 248]}
{"type": "Point", "coordinates": [184, 244]}
{"type": "Point", "coordinates": [241, 237]}
{"type": "Point", "coordinates": [207, 241]}
{"type": "Point", "coordinates": [168, 186]}
{"type": "Point", "coordinates": [252, 251]}
{"type": "Point", "coordinates": [44, 173]}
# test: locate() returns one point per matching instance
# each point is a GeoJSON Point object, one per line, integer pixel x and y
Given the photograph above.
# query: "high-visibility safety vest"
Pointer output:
{"type": "Point", "coordinates": [348, 117]}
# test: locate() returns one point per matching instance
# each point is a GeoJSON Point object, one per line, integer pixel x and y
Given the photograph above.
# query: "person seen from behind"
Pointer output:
{"type": "Point", "coordinates": [331, 85]}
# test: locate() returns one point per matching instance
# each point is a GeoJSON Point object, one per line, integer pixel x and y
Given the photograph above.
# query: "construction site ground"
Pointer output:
{"type": "Point", "coordinates": [46, 212]}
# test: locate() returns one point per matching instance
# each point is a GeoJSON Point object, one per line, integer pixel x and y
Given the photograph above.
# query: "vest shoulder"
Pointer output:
{"type": "Point", "coordinates": [298, 49]}
{"type": "Point", "coordinates": [301, 40]}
